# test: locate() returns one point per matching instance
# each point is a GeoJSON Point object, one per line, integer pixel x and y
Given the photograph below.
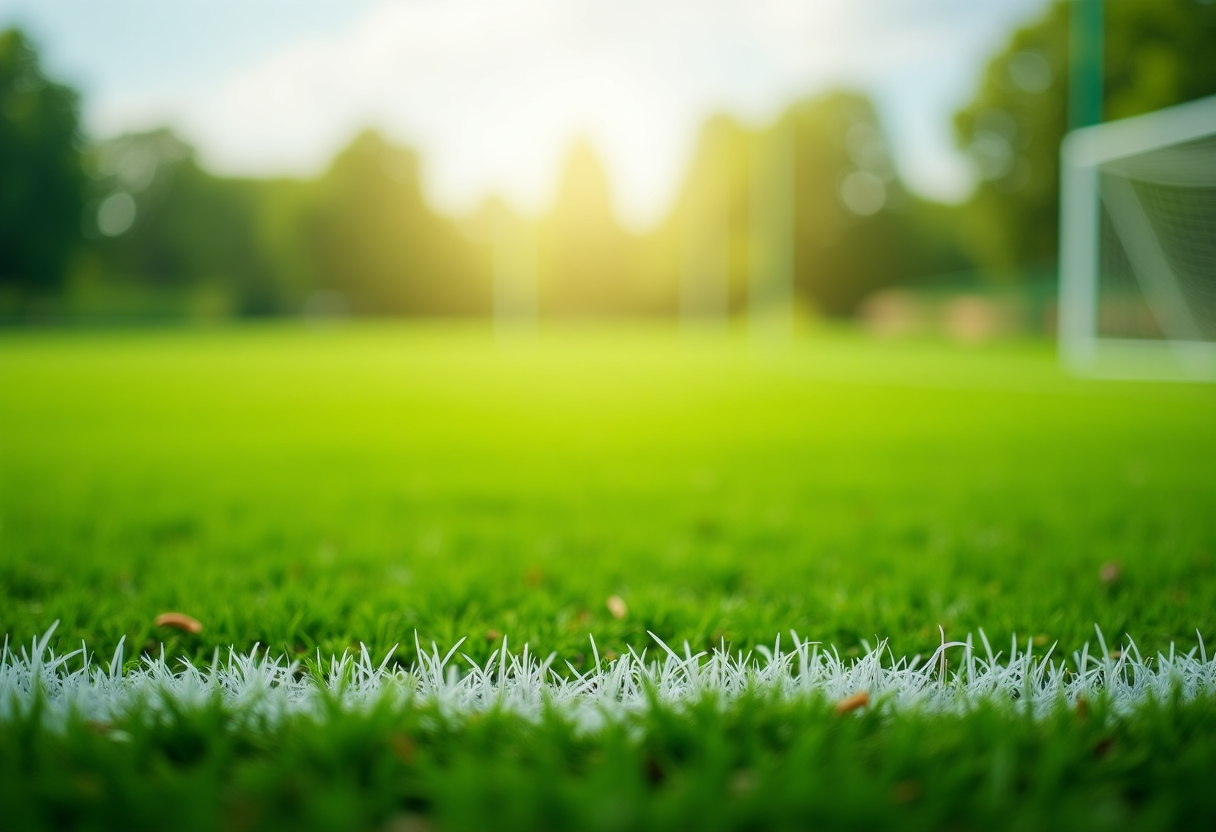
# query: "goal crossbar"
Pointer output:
{"type": "Point", "coordinates": [1099, 166]}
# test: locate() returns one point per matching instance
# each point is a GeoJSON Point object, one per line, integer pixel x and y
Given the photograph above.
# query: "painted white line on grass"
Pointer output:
{"type": "Point", "coordinates": [259, 689]}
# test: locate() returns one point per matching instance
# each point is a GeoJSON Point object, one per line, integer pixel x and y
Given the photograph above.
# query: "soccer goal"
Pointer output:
{"type": "Point", "coordinates": [1138, 246]}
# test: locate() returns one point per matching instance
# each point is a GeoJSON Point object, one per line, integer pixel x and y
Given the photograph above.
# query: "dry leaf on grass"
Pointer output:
{"type": "Point", "coordinates": [402, 747]}
{"type": "Point", "coordinates": [852, 703]}
{"type": "Point", "coordinates": [905, 791]}
{"type": "Point", "coordinates": [616, 606]}
{"type": "Point", "coordinates": [179, 621]}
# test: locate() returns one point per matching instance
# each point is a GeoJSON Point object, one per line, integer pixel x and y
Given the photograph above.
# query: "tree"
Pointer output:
{"type": "Point", "coordinates": [710, 219]}
{"type": "Point", "coordinates": [373, 238]}
{"type": "Point", "coordinates": [42, 185]}
{"type": "Point", "coordinates": [183, 230]}
{"type": "Point", "coordinates": [582, 262]}
{"type": "Point", "coordinates": [857, 228]}
{"type": "Point", "coordinates": [1157, 53]}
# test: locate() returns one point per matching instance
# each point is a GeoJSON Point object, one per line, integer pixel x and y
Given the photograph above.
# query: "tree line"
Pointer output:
{"type": "Point", "coordinates": [136, 226]}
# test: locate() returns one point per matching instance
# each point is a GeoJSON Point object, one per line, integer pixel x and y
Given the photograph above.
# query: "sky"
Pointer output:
{"type": "Point", "coordinates": [492, 92]}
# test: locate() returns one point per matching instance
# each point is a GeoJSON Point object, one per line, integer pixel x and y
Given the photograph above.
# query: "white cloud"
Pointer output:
{"type": "Point", "coordinates": [492, 91]}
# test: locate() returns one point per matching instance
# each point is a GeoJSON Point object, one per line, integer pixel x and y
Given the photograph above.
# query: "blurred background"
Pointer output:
{"type": "Point", "coordinates": [883, 160]}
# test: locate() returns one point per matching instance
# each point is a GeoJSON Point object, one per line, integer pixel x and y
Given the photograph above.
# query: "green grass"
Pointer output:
{"type": "Point", "coordinates": [758, 766]}
{"type": "Point", "coordinates": [314, 490]}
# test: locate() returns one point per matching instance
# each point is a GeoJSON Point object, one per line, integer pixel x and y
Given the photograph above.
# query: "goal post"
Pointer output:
{"type": "Point", "coordinates": [1138, 246]}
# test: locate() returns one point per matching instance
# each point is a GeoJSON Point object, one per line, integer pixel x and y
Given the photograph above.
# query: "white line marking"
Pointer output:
{"type": "Point", "coordinates": [259, 689]}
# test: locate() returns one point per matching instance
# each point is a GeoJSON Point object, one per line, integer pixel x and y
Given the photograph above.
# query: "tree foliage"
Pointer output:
{"type": "Point", "coordinates": [362, 238]}
{"type": "Point", "coordinates": [363, 232]}
{"type": "Point", "coordinates": [1156, 53]}
{"type": "Point", "coordinates": [41, 182]}
{"type": "Point", "coordinates": [371, 236]}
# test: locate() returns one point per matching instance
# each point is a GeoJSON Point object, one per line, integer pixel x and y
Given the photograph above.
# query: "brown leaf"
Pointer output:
{"type": "Point", "coordinates": [402, 746]}
{"type": "Point", "coordinates": [1109, 572]}
{"type": "Point", "coordinates": [852, 703]}
{"type": "Point", "coordinates": [742, 782]}
{"type": "Point", "coordinates": [179, 621]}
{"type": "Point", "coordinates": [905, 791]}
{"type": "Point", "coordinates": [653, 771]}
{"type": "Point", "coordinates": [408, 822]}
{"type": "Point", "coordinates": [616, 606]}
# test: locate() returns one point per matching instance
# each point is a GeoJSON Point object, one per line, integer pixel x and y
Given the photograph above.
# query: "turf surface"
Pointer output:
{"type": "Point", "coordinates": [314, 490]}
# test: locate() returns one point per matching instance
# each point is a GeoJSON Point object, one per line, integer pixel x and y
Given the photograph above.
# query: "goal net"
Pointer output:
{"type": "Point", "coordinates": [1138, 246]}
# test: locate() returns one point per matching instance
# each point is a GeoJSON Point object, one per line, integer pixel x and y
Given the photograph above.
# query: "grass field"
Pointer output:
{"type": "Point", "coordinates": [311, 491]}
